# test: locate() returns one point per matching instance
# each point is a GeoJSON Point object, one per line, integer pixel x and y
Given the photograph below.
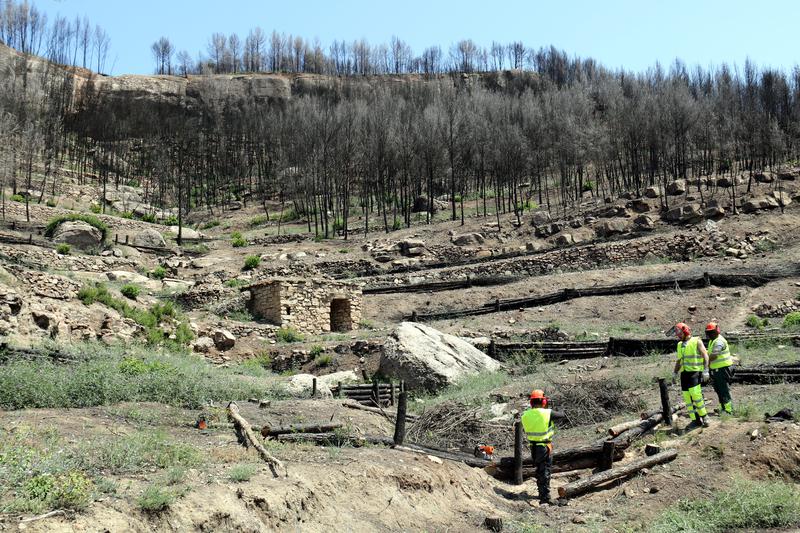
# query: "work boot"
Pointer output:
{"type": "Point", "coordinates": [703, 422]}
{"type": "Point", "coordinates": [694, 424]}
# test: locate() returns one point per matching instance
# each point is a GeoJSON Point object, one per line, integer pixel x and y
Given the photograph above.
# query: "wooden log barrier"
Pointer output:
{"type": "Point", "coordinates": [584, 485]}
{"type": "Point", "coordinates": [243, 426]}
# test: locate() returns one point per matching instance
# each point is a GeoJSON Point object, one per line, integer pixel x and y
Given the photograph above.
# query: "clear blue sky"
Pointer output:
{"type": "Point", "coordinates": [619, 33]}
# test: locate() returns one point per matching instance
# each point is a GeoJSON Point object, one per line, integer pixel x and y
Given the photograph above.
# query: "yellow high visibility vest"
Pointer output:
{"type": "Point", "coordinates": [723, 358]}
{"type": "Point", "coordinates": [538, 426]}
{"type": "Point", "coordinates": [689, 356]}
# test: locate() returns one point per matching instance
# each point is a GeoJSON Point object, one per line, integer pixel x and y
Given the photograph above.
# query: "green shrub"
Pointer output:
{"type": "Point", "coordinates": [397, 224]}
{"type": "Point", "coordinates": [747, 505]}
{"type": "Point", "coordinates": [235, 283]}
{"type": "Point", "coordinates": [252, 262]}
{"type": "Point", "coordinates": [262, 360]}
{"type": "Point", "coordinates": [289, 215]}
{"type": "Point", "coordinates": [237, 241]}
{"type": "Point", "coordinates": [63, 248]}
{"type": "Point", "coordinates": [155, 499]}
{"type": "Point", "coordinates": [792, 320]}
{"type": "Point", "coordinates": [365, 323]}
{"type": "Point", "coordinates": [171, 220]}
{"type": "Point", "coordinates": [148, 217]}
{"type": "Point", "coordinates": [588, 186]}
{"type": "Point", "coordinates": [289, 334]}
{"type": "Point", "coordinates": [316, 350]}
{"type": "Point", "coordinates": [755, 322]}
{"type": "Point", "coordinates": [130, 291]}
{"type": "Point", "coordinates": [18, 198]}
{"type": "Point", "coordinates": [323, 361]}
{"type": "Point", "coordinates": [126, 214]}
{"type": "Point", "coordinates": [67, 490]}
{"type": "Point", "coordinates": [242, 472]}
{"type": "Point", "coordinates": [51, 203]}
{"type": "Point", "coordinates": [158, 272]}
{"type": "Point", "coordinates": [95, 208]}
{"type": "Point", "coordinates": [210, 224]}
{"type": "Point", "coordinates": [92, 220]}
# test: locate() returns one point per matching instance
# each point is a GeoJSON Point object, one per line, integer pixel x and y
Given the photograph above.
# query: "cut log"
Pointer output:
{"type": "Point", "coordinates": [333, 439]}
{"type": "Point", "coordinates": [243, 427]}
{"type": "Point", "coordinates": [642, 427]}
{"type": "Point", "coordinates": [299, 428]}
{"type": "Point", "coordinates": [622, 427]}
{"type": "Point", "coordinates": [583, 485]}
{"type": "Point", "coordinates": [466, 459]}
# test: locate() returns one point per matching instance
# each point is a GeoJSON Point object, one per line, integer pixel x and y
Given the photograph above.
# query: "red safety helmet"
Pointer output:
{"type": "Point", "coordinates": [685, 330]}
{"type": "Point", "coordinates": [538, 394]}
{"type": "Point", "coordinates": [712, 326]}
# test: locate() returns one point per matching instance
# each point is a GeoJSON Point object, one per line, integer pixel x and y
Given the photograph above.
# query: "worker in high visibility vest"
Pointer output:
{"type": "Point", "coordinates": [692, 367]}
{"type": "Point", "coordinates": [719, 362]}
{"type": "Point", "coordinates": [539, 428]}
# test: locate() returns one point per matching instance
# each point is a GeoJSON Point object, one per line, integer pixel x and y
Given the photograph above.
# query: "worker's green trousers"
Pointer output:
{"type": "Point", "coordinates": [720, 378]}
{"type": "Point", "coordinates": [693, 394]}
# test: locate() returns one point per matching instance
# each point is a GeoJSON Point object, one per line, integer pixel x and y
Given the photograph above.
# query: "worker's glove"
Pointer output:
{"type": "Point", "coordinates": [706, 376]}
{"type": "Point", "coordinates": [674, 377]}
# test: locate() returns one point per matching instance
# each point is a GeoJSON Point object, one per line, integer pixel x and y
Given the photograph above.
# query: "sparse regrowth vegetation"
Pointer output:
{"type": "Point", "coordinates": [158, 272]}
{"type": "Point", "coordinates": [748, 505]}
{"type": "Point", "coordinates": [102, 375]}
{"type": "Point", "coordinates": [237, 241]}
{"type": "Point", "coordinates": [755, 322]}
{"type": "Point", "coordinates": [242, 472]}
{"type": "Point", "coordinates": [63, 249]}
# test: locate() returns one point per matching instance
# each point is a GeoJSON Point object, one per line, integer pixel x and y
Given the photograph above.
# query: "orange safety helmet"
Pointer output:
{"type": "Point", "coordinates": [538, 394]}
{"type": "Point", "coordinates": [712, 326]}
{"type": "Point", "coordinates": [684, 329]}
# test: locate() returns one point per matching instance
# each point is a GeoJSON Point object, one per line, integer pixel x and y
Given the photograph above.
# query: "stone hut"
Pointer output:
{"type": "Point", "coordinates": [310, 305]}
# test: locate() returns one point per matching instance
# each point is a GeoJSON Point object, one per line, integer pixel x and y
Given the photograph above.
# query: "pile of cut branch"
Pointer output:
{"type": "Point", "coordinates": [452, 425]}
{"type": "Point", "coordinates": [590, 402]}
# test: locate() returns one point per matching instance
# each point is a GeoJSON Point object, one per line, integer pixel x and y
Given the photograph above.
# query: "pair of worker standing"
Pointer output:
{"type": "Point", "coordinates": [697, 364]}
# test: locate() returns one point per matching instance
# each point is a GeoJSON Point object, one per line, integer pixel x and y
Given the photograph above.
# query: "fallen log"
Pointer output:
{"type": "Point", "coordinates": [333, 439]}
{"type": "Point", "coordinates": [243, 426]}
{"type": "Point", "coordinates": [500, 471]}
{"type": "Point", "coordinates": [566, 455]}
{"type": "Point", "coordinates": [625, 437]}
{"type": "Point", "coordinates": [474, 462]}
{"type": "Point", "coordinates": [267, 431]}
{"type": "Point", "coordinates": [583, 485]}
{"type": "Point", "coordinates": [389, 414]}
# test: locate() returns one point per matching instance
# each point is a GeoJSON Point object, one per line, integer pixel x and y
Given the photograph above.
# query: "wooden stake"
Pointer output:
{"type": "Point", "coordinates": [376, 393]}
{"type": "Point", "coordinates": [666, 409]}
{"type": "Point", "coordinates": [243, 426]}
{"type": "Point", "coordinates": [607, 459]}
{"type": "Point", "coordinates": [313, 387]}
{"type": "Point", "coordinates": [391, 388]}
{"type": "Point", "coordinates": [519, 446]}
{"type": "Point", "coordinates": [584, 485]}
{"type": "Point", "coordinates": [400, 419]}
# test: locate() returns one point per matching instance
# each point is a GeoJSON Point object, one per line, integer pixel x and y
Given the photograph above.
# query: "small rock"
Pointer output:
{"type": "Point", "coordinates": [653, 490]}
{"type": "Point", "coordinates": [578, 519]}
{"type": "Point", "coordinates": [436, 460]}
{"type": "Point", "coordinates": [692, 308]}
{"type": "Point", "coordinates": [642, 318]}
{"type": "Point", "coordinates": [755, 434]}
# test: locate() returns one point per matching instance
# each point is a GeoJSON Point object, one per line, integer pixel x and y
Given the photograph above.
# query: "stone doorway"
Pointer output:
{"type": "Point", "coordinates": [341, 317]}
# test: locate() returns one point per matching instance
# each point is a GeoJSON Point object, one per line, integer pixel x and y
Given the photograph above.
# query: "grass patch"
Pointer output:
{"type": "Point", "coordinates": [18, 198]}
{"type": "Point", "coordinates": [236, 283]}
{"type": "Point", "coordinates": [792, 320]}
{"type": "Point", "coordinates": [210, 224]}
{"type": "Point", "coordinates": [155, 499]}
{"type": "Point", "coordinates": [105, 375]}
{"type": "Point", "coordinates": [63, 249]}
{"type": "Point", "coordinates": [757, 323]}
{"type": "Point", "coordinates": [243, 472]}
{"type": "Point", "coordinates": [289, 334]}
{"type": "Point", "coordinates": [258, 220]}
{"type": "Point", "coordinates": [472, 390]}
{"type": "Point", "coordinates": [747, 505]}
{"type": "Point", "coordinates": [322, 361]}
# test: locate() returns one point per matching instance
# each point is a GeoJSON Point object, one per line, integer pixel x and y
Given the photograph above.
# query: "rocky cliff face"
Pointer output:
{"type": "Point", "coordinates": [197, 92]}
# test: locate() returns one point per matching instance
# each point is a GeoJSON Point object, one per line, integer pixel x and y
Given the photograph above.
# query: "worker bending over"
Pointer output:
{"type": "Point", "coordinates": [539, 428]}
{"type": "Point", "coordinates": [720, 361]}
{"type": "Point", "coordinates": [692, 365]}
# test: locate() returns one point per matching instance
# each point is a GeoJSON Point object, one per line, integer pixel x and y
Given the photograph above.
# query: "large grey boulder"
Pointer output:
{"type": "Point", "coordinates": [468, 239]}
{"type": "Point", "coordinates": [429, 359]}
{"type": "Point", "coordinates": [78, 234]}
{"type": "Point", "coordinates": [149, 238]}
{"type": "Point", "coordinates": [540, 218]}
{"type": "Point", "coordinates": [607, 228]}
{"type": "Point", "coordinates": [760, 202]}
{"type": "Point", "coordinates": [688, 213]}
{"type": "Point", "coordinates": [676, 187]}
